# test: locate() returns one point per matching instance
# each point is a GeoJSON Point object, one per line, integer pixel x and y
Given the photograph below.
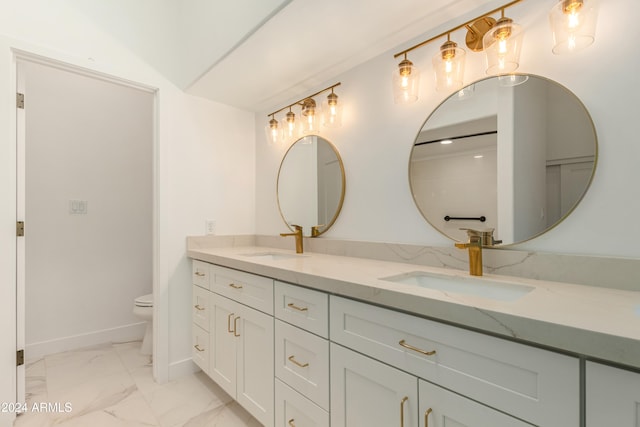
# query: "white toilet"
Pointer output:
{"type": "Point", "coordinates": [143, 309]}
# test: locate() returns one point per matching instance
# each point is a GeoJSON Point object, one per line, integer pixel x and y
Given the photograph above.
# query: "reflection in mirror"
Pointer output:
{"type": "Point", "coordinates": [311, 185]}
{"type": "Point", "coordinates": [516, 159]}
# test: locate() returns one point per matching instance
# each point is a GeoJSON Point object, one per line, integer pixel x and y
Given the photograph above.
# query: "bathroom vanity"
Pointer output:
{"type": "Point", "coordinates": [319, 340]}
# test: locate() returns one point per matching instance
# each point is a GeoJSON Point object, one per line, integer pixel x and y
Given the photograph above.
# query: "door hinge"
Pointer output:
{"type": "Point", "coordinates": [20, 358]}
{"type": "Point", "coordinates": [20, 228]}
{"type": "Point", "coordinates": [20, 100]}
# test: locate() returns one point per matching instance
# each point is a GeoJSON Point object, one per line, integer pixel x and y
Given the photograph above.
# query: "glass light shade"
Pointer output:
{"type": "Point", "coordinates": [332, 111]}
{"type": "Point", "coordinates": [406, 81]}
{"type": "Point", "coordinates": [310, 122]}
{"type": "Point", "coordinates": [509, 80]}
{"type": "Point", "coordinates": [573, 24]}
{"type": "Point", "coordinates": [273, 132]}
{"type": "Point", "coordinates": [465, 93]}
{"type": "Point", "coordinates": [290, 127]}
{"type": "Point", "coordinates": [448, 65]}
{"type": "Point", "coordinates": [502, 45]}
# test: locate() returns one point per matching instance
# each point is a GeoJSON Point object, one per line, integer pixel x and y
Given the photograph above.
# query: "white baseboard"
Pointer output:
{"type": "Point", "coordinates": [181, 368]}
{"type": "Point", "coordinates": [131, 332]}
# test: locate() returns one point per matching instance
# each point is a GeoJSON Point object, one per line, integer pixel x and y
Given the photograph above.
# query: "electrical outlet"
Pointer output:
{"type": "Point", "coordinates": [210, 226]}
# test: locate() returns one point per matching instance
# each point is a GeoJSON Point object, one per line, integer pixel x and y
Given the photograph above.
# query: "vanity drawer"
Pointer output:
{"type": "Point", "coordinates": [249, 289]}
{"type": "Point", "coordinates": [302, 361]}
{"type": "Point", "coordinates": [200, 347]}
{"type": "Point", "coordinates": [533, 384]}
{"type": "Point", "coordinates": [200, 274]}
{"type": "Point", "coordinates": [200, 307]}
{"type": "Point", "coordinates": [293, 409]}
{"type": "Point", "coordinates": [302, 307]}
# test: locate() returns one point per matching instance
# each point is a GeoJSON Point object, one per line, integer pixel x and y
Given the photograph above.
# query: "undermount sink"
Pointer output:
{"type": "Point", "coordinates": [273, 256]}
{"type": "Point", "coordinates": [467, 285]}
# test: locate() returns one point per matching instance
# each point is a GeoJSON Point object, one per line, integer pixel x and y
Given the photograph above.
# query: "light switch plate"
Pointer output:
{"type": "Point", "coordinates": [78, 207]}
{"type": "Point", "coordinates": [210, 226]}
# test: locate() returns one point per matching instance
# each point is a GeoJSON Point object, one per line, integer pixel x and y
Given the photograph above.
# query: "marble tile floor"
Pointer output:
{"type": "Point", "coordinates": [111, 385]}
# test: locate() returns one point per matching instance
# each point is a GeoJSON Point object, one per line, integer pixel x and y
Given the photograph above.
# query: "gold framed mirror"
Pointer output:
{"type": "Point", "coordinates": [311, 185]}
{"type": "Point", "coordinates": [510, 154]}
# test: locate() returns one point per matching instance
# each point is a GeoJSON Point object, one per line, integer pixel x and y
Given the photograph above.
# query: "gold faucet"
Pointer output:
{"type": "Point", "coordinates": [475, 254]}
{"type": "Point", "coordinates": [298, 235]}
{"type": "Point", "coordinates": [315, 230]}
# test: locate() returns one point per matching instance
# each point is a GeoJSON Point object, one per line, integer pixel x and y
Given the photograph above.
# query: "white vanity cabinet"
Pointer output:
{"type": "Point", "coordinates": [613, 396]}
{"type": "Point", "coordinates": [535, 385]}
{"type": "Point", "coordinates": [240, 330]}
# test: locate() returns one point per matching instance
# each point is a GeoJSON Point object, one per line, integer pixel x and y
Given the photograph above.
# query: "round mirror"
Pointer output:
{"type": "Point", "coordinates": [512, 155]}
{"type": "Point", "coordinates": [311, 185]}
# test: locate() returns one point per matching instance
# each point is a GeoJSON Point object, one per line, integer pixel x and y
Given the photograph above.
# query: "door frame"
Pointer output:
{"type": "Point", "coordinates": [160, 339]}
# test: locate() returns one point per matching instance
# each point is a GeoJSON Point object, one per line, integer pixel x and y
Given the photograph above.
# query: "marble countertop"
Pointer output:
{"type": "Point", "coordinates": [596, 322]}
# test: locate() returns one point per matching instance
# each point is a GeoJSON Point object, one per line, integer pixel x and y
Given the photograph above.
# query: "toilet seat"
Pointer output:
{"type": "Point", "coordinates": [144, 301]}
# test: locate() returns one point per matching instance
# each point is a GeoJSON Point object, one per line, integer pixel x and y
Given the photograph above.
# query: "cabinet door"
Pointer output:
{"type": "Point", "coordinates": [442, 408]}
{"type": "Point", "coordinates": [255, 371]}
{"type": "Point", "coordinates": [613, 396]}
{"type": "Point", "coordinates": [365, 392]}
{"type": "Point", "coordinates": [222, 348]}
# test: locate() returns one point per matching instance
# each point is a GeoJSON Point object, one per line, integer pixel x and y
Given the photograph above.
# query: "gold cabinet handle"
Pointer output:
{"type": "Point", "coordinates": [402, 402]}
{"type": "Point", "coordinates": [404, 344]}
{"type": "Point", "coordinates": [291, 423]}
{"type": "Point", "coordinates": [235, 327]}
{"type": "Point", "coordinates": [293, 360]}
{"type": "Point", "coordinates": [295, 307]}
{"type": "Point", "coordinates": [229, 323]}
{"type": "Point", "coordinates": [234, 286]}
{"type": "Point", "coordinates": [198, 307]}
{"type": "Point", "coordinates": [197, 347]}
{"type": "Point", "coordinates": [197, 273]}
{"type": "Point", "coordinates": [426, 417]}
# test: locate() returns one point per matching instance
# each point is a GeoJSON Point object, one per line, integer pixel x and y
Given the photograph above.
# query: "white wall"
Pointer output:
{"type": "Point", "coordinates": [92, 140]}
{"type": "Point", "coordinates": [376, 138]}
{"type": "Point", "coordinates": [204, 168]}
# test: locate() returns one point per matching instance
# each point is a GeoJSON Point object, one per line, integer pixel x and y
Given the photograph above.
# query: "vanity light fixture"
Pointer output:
{"type": "Point", "coordinates": [273, 131]}
{"type": "Point", "coordinates": [332, 111]}
{"type": "Point", "coordinates": [573, 24]}
{"type": "Point", "coordinates": [449, 66]}
{"type": "Point", "coordinates": [406, 82]}
{"type": "Point", "coordinates": [502, 45]}
{"type": "Point", "coordinates": [501, 40]}
{"type": "Point", "coordinates": [290, 126]}
{"type": "Point", "coordinates": [293, 128]}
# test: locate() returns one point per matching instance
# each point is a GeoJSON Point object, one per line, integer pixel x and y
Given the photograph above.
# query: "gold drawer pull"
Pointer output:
{"type": "Point", "coordinates": [410, 347]}
{"type": "Point", "coordinates": [235, 327]}
{"type": "Point", "coordinates": [197, 273]}
{"type": "Point", "coordinates": [402, 402]}
{"type": "Point", "coordinates": [295, 307]}
{"type": "Point", "coordinates": [197, 347]}
{"type": "Point", "coordinates": [234, 286]}
{"type": "Point", "coordinates": [426, 417]}
{"type": "Point", "coordinates": [293, 360]}
{"type": "Point", "coordinates": [291, 423]}
{"type": "Point", "coordinates": [198, 307]}
{"type": "Point", "coordinates": [229, 323]}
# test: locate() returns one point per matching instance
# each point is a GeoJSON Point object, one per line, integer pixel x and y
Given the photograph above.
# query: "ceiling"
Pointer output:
{"type": "Point", "coordinates": [290, 47]}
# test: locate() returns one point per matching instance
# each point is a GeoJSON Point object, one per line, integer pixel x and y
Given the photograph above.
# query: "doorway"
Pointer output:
{"type": "Point", "coordinates": [85, 193]}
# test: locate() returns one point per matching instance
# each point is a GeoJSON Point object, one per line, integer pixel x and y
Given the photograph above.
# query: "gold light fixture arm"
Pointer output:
{"type": "Point", "coordinates": [301, 101]}
{"type": "Point", "coordinates": [465, 24]}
